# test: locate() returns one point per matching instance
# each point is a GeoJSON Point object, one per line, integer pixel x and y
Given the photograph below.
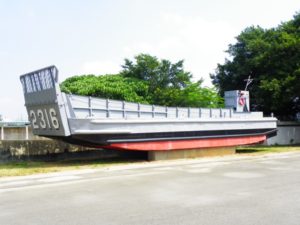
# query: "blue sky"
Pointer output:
{"type": "Point", "coordinates": [94, 36]}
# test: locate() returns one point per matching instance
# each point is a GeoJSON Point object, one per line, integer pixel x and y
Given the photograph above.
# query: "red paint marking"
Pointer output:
{"type": "Point", "coordinates": [186, 144]}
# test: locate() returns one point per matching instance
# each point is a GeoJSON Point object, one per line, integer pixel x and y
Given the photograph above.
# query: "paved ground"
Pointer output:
{"type": "Point", "coordinates": [230, 190]}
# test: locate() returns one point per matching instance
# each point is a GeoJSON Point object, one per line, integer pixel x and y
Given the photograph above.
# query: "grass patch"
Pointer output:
{"type": "Point", "coordinates": [266, 149]}
{"type": "Point", "coordinates": [30, 167]}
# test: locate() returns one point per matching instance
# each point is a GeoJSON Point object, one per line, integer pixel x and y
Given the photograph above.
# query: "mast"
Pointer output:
{"type": "Point", "coordinates": [248, 81]}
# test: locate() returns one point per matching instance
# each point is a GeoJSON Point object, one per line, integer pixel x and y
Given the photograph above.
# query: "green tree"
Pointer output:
{"type": "Point", "coordinates": [108, 86]}
{"type": "Point", "coordinates": [147, 80]}
{"type": "Point", "coordinates": [158, 74]}
{"type": "Point", "coordinates": [193, 95]}
{"type": "Point", "coordinates": [271, 57]}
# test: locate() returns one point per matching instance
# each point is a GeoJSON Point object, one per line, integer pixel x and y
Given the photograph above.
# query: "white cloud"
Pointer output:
{"type": "Point", "coordinates": [100, 67]}
{"type": "Point", "coordinates": [199, 42]}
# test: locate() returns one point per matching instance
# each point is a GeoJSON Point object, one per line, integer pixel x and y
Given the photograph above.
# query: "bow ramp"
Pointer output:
{"type": "Point", "coordinates": [45, 102]}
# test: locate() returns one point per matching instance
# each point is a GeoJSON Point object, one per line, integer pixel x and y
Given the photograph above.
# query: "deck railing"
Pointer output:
{"type": "Point", "coordinates": [85, 107]}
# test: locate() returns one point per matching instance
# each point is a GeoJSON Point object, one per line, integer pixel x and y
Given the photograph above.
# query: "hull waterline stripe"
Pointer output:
{"type": "Point", "coordinates": [187, 144]}
{"type": "Point", "coordinates": [187, 138]}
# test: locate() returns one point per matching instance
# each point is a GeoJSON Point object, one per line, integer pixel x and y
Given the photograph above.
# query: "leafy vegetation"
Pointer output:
{"type": "Point", "coordinates": [159, 74]}
{"type": "Point", "coordinates": [108, 86]}
{"type": "Point", "coordinates": [261, 149]}
{"type": "Point", "coordinates": [147, 80]}
{"type": "Point", "coordinates": [272, 58]}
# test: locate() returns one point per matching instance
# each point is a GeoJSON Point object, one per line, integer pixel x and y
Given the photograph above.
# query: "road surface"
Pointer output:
{"type": "Point", "coordinates": [229, 190]}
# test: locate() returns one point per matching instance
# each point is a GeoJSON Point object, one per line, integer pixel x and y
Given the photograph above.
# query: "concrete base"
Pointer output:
{"type": "Point", "coordinates": [190, 153]}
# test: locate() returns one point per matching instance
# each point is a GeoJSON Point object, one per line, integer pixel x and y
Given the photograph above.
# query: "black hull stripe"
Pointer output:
{"type": "Point", "coordinates": [185, 138]}
{"type": "Point", "coordinates": [105, 139]}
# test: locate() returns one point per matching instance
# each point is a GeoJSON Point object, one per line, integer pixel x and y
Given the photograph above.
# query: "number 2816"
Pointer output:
{"type": "Point", "coordinates": [44, 118]}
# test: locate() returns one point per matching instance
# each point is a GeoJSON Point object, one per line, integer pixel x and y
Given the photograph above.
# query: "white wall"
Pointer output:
{"type": "Point", "coordinates": [288, 133]}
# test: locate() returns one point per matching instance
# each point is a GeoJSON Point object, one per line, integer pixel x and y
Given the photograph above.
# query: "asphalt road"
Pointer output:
{"type": "Point", "coordinates": [232, 190]}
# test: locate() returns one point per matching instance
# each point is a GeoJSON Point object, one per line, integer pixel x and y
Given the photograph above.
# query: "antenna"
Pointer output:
{"type": "Point", "coordinates": [249, 81]}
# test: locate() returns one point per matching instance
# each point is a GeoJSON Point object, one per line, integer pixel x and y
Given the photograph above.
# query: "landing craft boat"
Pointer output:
{"type": "Point", "coordinates": [112, 124]}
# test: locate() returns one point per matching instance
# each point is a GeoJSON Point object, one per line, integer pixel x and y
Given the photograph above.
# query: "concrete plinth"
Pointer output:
{"type": "Point", "coordinates": [190, 153]}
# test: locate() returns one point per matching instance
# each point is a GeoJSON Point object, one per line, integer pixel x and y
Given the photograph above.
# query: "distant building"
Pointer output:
{"type": "Point", "coordinates": [16, 130]}
{"type": "Point", "coordinates": [14, 123]}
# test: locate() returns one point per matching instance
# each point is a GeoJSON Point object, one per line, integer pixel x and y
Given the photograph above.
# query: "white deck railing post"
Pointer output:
{"type": "Point", "coordinates": [153, 112]}
{"type": "Point", "coordinates": [139, 110]}
{"type": "Point", "coordinates": [107, 108]}
{"type": "Point", "coordinates": [123, 109]}
{"type": "Point", "coordinates": [90, 106]}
